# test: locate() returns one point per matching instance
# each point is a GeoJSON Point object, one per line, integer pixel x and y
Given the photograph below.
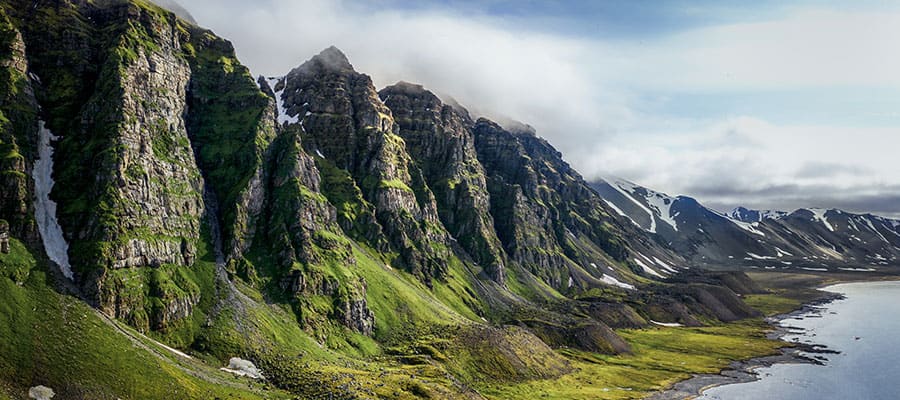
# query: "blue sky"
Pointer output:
{"type": "Point", "coordinates": [768, 104]}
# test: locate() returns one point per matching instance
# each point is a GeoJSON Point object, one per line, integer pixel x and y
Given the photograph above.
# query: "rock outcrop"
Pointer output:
{"type": "Point", "coordinates": [345, 124]}
{"type": "Point", "coordinates": [118, 83]}
{"type": "Point", "coordinates": [549, 221]}
{"type": "Point", "coordinates": [4, 237]}
{"type": "Point", "coordinates": [439, 138]}
{"type": "Point", "coordinates": [18, 127]}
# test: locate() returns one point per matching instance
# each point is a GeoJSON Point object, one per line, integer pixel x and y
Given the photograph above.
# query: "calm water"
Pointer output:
{"type": "Point", "coordinates": [867, 368]}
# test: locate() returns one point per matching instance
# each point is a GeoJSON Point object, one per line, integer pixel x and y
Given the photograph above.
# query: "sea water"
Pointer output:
{"type": "Point", "coordinates": [864, 327]}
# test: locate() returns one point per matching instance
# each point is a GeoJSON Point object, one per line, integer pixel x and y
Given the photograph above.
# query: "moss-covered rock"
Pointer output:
{"type": "Point", "coordinates": [440, 141]}
{"type": "Point", "coordinates": [342, 120]}
{"type": "Point", "coordinates": [18, 124]}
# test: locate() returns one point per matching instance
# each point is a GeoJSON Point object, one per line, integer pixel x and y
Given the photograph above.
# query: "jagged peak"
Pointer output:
{"type": "Point", "coordinates": [418, 90]}
{"type": "Point", "coordinates": [491, 124]}
{"type": "Point", "coordinates": [331, 59]}
{"type": "Point", "coordinates": [403, 88]}
{"type": "Point", "coordinates": [519, 127]}
{"type": "Point", "coordinates": [450, 101]}
{"type": "Point", "coordinates": [177, 9]}
{"type": "Point", "coordinates": [408, 87]}
{"type": "Point", "coordinates": [745, 214]}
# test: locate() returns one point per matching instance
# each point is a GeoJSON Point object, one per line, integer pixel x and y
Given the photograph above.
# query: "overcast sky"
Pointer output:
{"type": "Point", "coordinates": [788, 105]}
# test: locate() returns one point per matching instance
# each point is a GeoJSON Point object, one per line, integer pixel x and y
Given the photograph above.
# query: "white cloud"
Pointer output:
{"type": "Point", "coordinates": [806, 48]}
{"type": "Point", "coordinates": [588, 96]}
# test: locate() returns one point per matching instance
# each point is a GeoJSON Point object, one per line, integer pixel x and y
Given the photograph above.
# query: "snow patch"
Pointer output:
{"type": "Point", "coordinates": [819, 215]}
{"type": "Point", "coordinates": [666, 324]}
{"type": "Point", "coordinates": [857, 269]}
{"type": "Point", "coordinates": [45, 209]}
{"type": "Point", "coordinates": [749, 227]}
{"type": "Point", "coordinates": [609, 280]}
{"type": "Point", "coordinates": [815, 269]}
{"type": "Point", "coordinates": [648, 269]}
{"type": "Point", "coordinates": [872, 227]}
{"type": "Point", "coordinates": [852, 224]}
{"type": "Point", "coordinates": [663, 205]}
{"type": "Point", "coordinates": [620, 185]}
{"type": "Point", "coordinates": [283, 117]}
{"type": "Point", "coordinates": [241, 367]}
{"type": "Point", "coordinates": [759, 257]}
{"type": "Point", "coordinates": [782, 253]}
{"type": "Point", "coordinates": [620, 212]}
{"type": "Point", "coordinates": [665, 266]}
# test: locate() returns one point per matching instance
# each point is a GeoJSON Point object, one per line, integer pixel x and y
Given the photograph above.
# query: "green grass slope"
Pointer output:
{"type": "Point", "coordinates": [59, 341]}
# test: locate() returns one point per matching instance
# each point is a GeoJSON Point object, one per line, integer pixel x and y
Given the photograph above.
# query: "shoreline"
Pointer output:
{"type": "Point", "coordinates": [744, 371]}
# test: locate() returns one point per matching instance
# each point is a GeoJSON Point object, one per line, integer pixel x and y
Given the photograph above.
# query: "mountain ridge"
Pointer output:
{"type": "Point", "coordinates": [346, 241]}
{"type": "Point", "coordinates": [805, 238]}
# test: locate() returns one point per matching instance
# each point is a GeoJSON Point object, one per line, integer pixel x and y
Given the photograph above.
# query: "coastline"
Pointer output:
{"type": "Point", "coordinates": [743, 371]}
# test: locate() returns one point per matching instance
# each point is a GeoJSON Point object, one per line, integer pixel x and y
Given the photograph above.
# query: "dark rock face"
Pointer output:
{"type": "Point", "coordinates": [355, 314]}
{"type": "Point", "coordinates": [440, 140]}
{"type": "Point", "coordinates": [4, 236]}
{"type": "Point", "coordinates": [231, 148]}
{"type": "Point", "coordinates": [118, 83]}
{"type": "Point", "coordinates": [546, 216]}
{"type": "Point", "coordinates": [18, 127]}
{"type": "Point", "coordinates": [343, 120]}
{"type": "Point", "coordinates": [771, 239]}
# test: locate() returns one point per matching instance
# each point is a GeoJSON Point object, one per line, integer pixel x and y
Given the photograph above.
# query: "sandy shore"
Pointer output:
{"type": "Point", "coordinates": [745, 370]}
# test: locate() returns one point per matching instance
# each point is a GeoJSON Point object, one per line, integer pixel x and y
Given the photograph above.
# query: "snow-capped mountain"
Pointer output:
{"type": "Point", "coordinates": [750, 216]}
{"type": "Point", "coordinates": [809, 238]}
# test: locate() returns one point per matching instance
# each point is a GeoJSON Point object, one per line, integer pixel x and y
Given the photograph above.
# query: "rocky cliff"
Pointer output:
{"type": "Point", "coordinates": [349, 129]}
{"type": "Point", "coordinates": [439, 138]}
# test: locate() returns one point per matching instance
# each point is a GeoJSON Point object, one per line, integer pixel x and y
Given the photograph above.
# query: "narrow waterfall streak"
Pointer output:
{"type": "Point", "coordinates": [45, 209]}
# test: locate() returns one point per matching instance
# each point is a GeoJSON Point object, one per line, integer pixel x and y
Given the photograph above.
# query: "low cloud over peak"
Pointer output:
{"type": "Point", "coordinates": [724, 103]}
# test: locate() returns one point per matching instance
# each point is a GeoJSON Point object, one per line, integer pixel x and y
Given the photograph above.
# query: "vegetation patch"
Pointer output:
{"type": "Point", "coordinates": [660, 358]}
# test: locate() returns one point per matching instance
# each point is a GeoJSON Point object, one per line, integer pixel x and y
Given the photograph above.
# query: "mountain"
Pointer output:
{"type": "Point", "coordinates": [750, 216]}
{"type": "Point", "coordinates": [167, 220]}
{"type": "Point", "coordinates": [807, 239]}
{"type": "Point", "coordinates": [863, 240]}
{"type": "Point", "coordinates": [177, 9]}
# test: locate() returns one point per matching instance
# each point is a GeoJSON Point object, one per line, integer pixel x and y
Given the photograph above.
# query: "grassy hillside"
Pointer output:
{"type": "Point", "coordinates": [58, 341]}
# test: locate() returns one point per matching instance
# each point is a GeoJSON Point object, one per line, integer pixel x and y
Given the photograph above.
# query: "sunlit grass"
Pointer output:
{"type": "Point", "coordinates": [660, 358]}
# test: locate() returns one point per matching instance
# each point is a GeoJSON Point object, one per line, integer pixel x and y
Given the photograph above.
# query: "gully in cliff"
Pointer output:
{"type": "Point", "coordinates": [45, 209]}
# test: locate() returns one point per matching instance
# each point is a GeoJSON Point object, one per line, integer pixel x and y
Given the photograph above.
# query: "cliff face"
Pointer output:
{"type": "Point", "coordinates": [352, 133]}
{"type": "Point", "coordinates": [18, 127]}
{"type": "Point", "coordinates": [440, 140]}
{"type": "Point", "coordinates": [549, 220]}
{"type": "Point", "coordinates": [132, 93]}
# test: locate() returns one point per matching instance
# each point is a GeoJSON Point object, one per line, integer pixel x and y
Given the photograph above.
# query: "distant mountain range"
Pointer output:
{"type": "Point", "coordinates": [807, 239]}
